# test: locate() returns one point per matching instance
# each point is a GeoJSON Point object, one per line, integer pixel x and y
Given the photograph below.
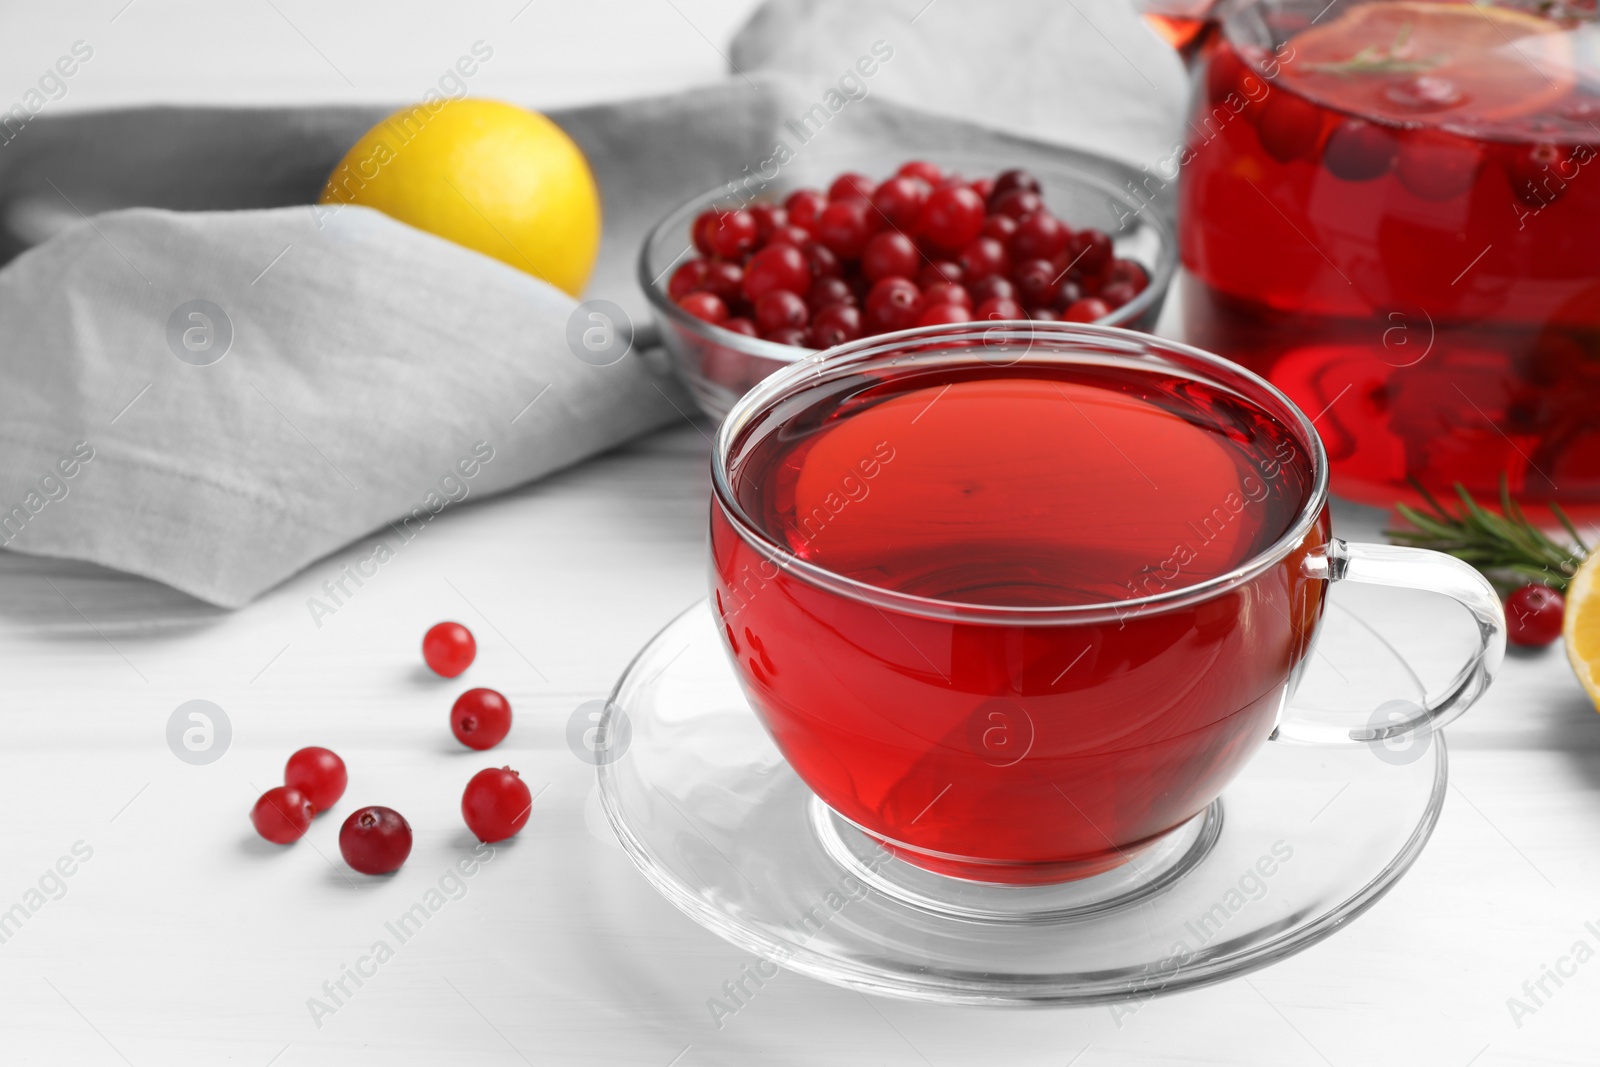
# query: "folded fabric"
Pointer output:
{"type": "Point", "coordinates": [216, 399]}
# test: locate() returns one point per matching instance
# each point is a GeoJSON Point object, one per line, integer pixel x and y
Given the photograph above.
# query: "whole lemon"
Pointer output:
{"type": "Point", "coordinates": [494, 177]}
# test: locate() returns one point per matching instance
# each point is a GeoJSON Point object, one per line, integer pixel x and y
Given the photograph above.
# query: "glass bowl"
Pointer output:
{"type": "Point", "coordinates": [1084, 191]}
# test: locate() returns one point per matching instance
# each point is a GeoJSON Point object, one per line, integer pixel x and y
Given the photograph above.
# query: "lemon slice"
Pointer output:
{"type": "Point", "coordinates": [1416, 60]}
{"type": "Point", "coordinates": [1581, 628]}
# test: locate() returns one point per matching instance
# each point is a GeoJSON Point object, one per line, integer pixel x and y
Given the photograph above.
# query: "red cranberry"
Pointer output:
{"type": "Point", "coordinates": [1036, 281]}
{"type": "Point", "coordinates": [946, 293]}
{"type": "Point", "coordinates": [823, 263]}
{"type": "Point", "coordinates": [768, 218]}
{"type": "Point", "coordinates": [1018, 203]}
{"type": "Point", "coordinates": [375, 840]}
{"type": "Point", "coordinates": [1358, 150]}
{"type": "Point", "coordinates": [1088, 309]}
{"type": "Point", "coordinates": [1007, 180]}
{"type": "Point", "coordinates": [1040, 236]}
{"type": "Point", "coordinates": [779, 308]}
{"type": "Point", "coordinates": [1126, 270]}
{"type": "Point", "coordinates": [1042, 315]}
{"type": "Point", "coordinates": [480, 718]}
{"type": "Point", "coordinates": [1089, 252]}
{"type": "Point", "coordinates": [940, 270]}
{"type": "Point", "coordinates": [889, 252]}
{"type": "Point", "coordinates": [787, 335]}
{"type": "Point", "coordinates": [892, 304]}
{"type": "Point", "coordinates": [918, 168]}
{"type": "Point", "coordinates": [1435, 165]}
{"type": "Point", "coordinates": [776, 267]}
{"type": "Point", "coordinates": [448, 648]}
{"type": "Point", "coordinates": [1539, 173]}
{"type": "Point", "coordinates": [319, 774]}
{"type": "Point", "coordinates": [825, 291]}
{"type": "Point", "coordinates": [1533, 616]}
{"type": "Point", "coordinates": [999, 307]}
{"type": "Point", "coordinates": [741, 326]}
{"type": "Point", "coordinates": [984, 187]}
{"type": "Point", "coordinates": [984, 257]}
{"type": "Point", "coordinates": [1289, 126]}
{"type": "Point", "coordinates": [706, 306]}
{"type": "Point", "coordinates": [687, 278]}
{"type": "Point", "coordinates": [496, 804]}
{"type": "Point", "coordinates": [723, 279]}
{"type": "Point", "coordinates": [939, 314]}
{"type": "Point", "coordinates": [994, 287]}
{"type": "Point", "coordinates": [282, 815]}
{"type": "Point", "coordinates": [1067, 292]}
{"type": "Point", "coordinates": [1001, 227]}
{"type": "Point", "coordinates": [834, 325]}
{"type": "Point", "coordinates": [844, 227]}
{"type": "Point", "coordinates": [900, 201]}
{"type": "Point", "coordinates": [804, 208]}
{"type": "Point", "coordinates": [790, 234]}
{"type": "Point", "coordinates": [705, 224]}
{"type": "Point", "coordinates": [735, 236]}
{"type": "Point", "coordinates": [1117, 294]}
{"type": "Point", "coordinates": [851, 186]}
{"type": "Point", "coordinates": [952, 217]}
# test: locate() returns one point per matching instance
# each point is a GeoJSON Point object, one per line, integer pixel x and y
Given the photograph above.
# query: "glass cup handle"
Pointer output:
{"type": "Point", "coordinates": [1409, 568]}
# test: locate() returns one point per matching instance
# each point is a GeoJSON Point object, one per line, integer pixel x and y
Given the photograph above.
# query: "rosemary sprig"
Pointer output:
{"type": "Point", "coordinates": [1375, 59]}
{"type": "Point", "coordinates": [1509, 549]}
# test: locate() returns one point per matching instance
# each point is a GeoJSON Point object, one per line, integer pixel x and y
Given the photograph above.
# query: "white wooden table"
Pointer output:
{"type": "Point", "coordinates": [182, 939]}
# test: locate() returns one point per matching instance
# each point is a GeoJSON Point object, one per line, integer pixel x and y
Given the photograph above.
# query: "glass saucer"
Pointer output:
{"type": "Point", "coordinates": [1301, 842]}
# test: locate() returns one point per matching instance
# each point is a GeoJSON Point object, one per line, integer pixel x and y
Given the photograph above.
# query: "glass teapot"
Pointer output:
{"type": "Point", "coordinates": [1390, 209]}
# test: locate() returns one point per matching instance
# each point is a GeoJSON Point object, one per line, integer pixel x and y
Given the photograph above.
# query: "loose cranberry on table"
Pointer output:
{"type": "Point", "coordinates": [1534, 614]}
{"type": "Point", "coordinates": [496, 804]}
{"type": "Point", "coordinates": [480, 718]}
{"type": "Point", "coordinates": [319, 774]}
{"type": "Point", "coordinates": [375, 840]}
{"type": "Point", "coordinates": [281, 815]}
{"type": "Point", "coordinates": [448, 648]}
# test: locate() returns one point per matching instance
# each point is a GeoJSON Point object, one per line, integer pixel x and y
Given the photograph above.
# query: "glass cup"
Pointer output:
{"type": "Point", "coordinates": [908, 716]}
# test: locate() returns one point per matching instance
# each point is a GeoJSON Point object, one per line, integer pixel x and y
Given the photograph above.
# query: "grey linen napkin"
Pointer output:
{"type": "Point", "coordinates": [373, 375]}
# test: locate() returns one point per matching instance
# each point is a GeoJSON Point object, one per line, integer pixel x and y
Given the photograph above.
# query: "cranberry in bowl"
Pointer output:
{"type": "Point", "coordinates": [746, 279]}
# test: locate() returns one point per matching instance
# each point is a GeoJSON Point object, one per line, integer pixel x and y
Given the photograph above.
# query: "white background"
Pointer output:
{"type": "Point", "coordinates": [185, 940]}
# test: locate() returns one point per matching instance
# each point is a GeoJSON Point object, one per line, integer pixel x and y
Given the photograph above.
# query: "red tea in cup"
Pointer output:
{"type": "Point", "coordinates": [1018, 615]}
